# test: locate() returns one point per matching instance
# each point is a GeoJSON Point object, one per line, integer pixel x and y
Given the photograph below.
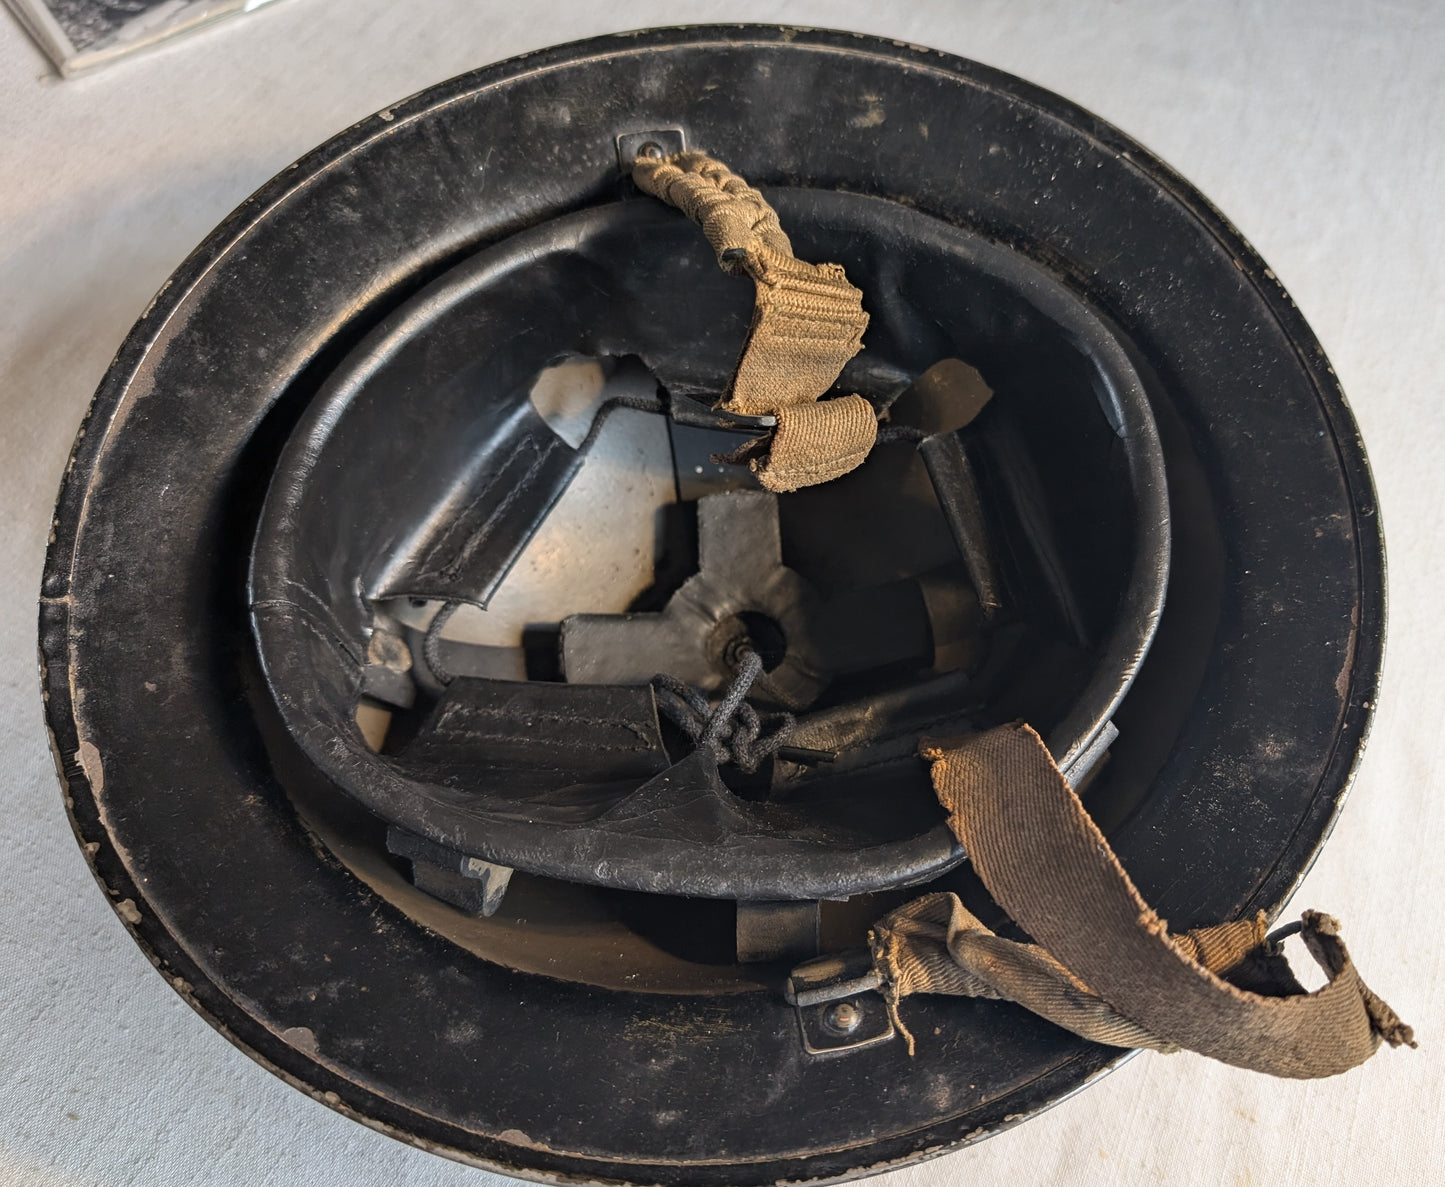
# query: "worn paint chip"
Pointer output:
{"type": "Point", "coordinates": [88, 756]}
{"type": "Point", "coordinates": [303, 1038]}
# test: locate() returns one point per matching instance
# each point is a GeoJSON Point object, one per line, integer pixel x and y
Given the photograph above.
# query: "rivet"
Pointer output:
{"type": "Point", "coordinates": [843, 1018]}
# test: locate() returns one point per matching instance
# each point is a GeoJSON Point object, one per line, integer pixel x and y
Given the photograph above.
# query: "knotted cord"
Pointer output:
{"type": "Point", "coordinates": [732, 729]}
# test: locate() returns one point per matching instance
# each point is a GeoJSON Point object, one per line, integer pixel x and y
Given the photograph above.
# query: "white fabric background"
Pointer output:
{"type": "Point", "coordinates": [1315, 126]}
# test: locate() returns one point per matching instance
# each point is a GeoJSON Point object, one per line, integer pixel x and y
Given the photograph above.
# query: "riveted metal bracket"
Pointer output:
{"type": "Point", "coordinates": [838, 1004]}
{"type": "Point", "coordinates": [663, 142]}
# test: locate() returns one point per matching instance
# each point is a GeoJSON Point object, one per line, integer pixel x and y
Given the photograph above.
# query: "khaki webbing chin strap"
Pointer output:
{"type": "Point", "coordinates": [1104, 964]}
{"type": "Point", "coordinates": [808, 321]}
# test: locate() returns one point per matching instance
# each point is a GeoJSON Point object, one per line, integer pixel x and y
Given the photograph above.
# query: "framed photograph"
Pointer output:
{"type": "Point", "coordinates": [80, 35]}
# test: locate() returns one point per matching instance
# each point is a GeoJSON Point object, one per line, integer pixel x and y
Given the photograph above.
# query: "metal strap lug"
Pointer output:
{"type": "Point", "coordinates": [838, 1005]}
{"type": "Point", "coordinates": [661, 142]}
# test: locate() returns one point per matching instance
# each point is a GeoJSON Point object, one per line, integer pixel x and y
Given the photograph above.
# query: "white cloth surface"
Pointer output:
{"type": "Point", "coordinates": [1315, 125]}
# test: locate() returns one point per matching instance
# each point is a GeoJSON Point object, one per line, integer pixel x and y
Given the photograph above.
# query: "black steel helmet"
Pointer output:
{"type": "Point", "coordinates": [482, 740]}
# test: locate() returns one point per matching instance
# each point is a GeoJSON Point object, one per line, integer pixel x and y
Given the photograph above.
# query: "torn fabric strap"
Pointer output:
{"type": "Point", "coordinates": [1103, 964]}
{"type": "Point", "coordinates": [808, 321]}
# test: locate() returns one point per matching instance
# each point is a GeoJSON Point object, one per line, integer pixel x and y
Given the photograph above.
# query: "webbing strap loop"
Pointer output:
{"type": "Point", "coordinates": [1104, 965]}
{"type": "Point", "coordinates": [808, 321]}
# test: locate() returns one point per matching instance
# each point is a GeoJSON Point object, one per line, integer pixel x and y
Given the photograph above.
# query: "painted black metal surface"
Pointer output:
{"type": "Point", "coordinates": [421, 469]}
{"type": "Point", "coordinates": [1237, 739]}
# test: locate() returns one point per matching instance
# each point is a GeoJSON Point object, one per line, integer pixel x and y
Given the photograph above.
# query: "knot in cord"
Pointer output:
{"type": "Point", "coordinates": [732, 729]}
